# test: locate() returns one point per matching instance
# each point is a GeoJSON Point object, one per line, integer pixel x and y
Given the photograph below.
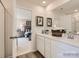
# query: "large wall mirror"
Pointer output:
{"type": "Point", "coordinates": [67, 16]}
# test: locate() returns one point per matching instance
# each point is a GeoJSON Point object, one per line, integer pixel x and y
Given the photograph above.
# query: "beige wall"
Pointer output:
{"type": "Point", "coordinates": [9, 14]}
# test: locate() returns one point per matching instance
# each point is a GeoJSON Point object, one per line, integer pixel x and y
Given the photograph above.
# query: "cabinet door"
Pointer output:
{"type": "Point", "coordinates": [1, 31]}
{"type": "Point", "coordinates": [63, 50]}
{"type": "Point", "coordinates": [67, 50]}
{"type": "Point", "coordinates": [53, 50]}
{"type": "Point", "coordinates": [47, 48]}
{"type": "Point", "coordinates": [58, 51]}
{"type": "Point", "coordinates": [40, 44]}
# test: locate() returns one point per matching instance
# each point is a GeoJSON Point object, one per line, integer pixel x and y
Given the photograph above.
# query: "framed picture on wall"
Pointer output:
{"type": "Point", "coordinates": [49, 22]}
{"type": "Point", "coordinates": [39, 21]}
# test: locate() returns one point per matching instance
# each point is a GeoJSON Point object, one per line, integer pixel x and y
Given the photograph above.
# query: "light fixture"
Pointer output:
{"type": "Point", "coordinates": [76, 10]}
{"type": "Point", "coordinates": [44, 2]}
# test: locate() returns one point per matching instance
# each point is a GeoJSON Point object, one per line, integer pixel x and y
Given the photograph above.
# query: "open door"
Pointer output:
{"type": "Point", "coordinates": [1, 31]}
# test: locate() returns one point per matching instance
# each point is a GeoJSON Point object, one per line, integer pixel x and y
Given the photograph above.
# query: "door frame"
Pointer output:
{"type": "Point", "coordinates": [14, 54]}
{"type": "Point", "coordinates": [3, 30]}
{"type": "Point", "coordinates": [14, 44]}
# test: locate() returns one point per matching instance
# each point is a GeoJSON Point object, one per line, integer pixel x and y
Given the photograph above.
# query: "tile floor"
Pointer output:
{"type": "Point", "coordinates": [31, 55]}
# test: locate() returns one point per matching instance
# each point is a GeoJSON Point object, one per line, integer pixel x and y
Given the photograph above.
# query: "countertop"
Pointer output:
{"type": "Point", "coordinates": [74, 42]}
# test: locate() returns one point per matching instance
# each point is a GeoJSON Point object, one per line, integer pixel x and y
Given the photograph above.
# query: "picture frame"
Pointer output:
{"type": "Point", "coordinates": [39, 20]}
{"type": "Point", "coordinates": [49, 22]}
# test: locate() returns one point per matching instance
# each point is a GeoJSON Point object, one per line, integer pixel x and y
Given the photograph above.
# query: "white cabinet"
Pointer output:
{"type": "Point", "coordinates": [43, 46]}
{"type": "Point", "coordinates": [53, 48]}
{"type": "Point", "coordinates": [40, 44]}
{"type": "Point", "coordinates": [53, 51]}
{"type": "Point", "coordinates": [1, 31]}
{"type": "Point", "coordinates": [68, 51]}
{"type": "Point", "coordinates": [56, 51]}
{"type": "Point", "coordinates": [63, 50]}
{"type": "Point", "coordinates": [47, 48]}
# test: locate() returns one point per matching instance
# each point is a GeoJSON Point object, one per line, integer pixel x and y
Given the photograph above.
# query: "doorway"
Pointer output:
{"type": "Point", "coordinates": [23, 30]}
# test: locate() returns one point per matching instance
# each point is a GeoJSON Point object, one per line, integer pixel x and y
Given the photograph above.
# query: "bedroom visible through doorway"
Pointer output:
{"type": "Point", "coordinates": [24, 19]}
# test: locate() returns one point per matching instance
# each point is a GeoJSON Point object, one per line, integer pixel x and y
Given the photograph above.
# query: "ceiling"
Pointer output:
{"type": "Point", "coordinates": [39, 2]}
{"type": "Point", "coordinates": [69, 7]}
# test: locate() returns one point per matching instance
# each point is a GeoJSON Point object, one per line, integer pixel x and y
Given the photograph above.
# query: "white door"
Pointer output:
{"type": "Point", "coordinates": [1, 31]}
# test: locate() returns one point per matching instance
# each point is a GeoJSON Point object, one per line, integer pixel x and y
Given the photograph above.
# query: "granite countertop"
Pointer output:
{"type": "Point", "coordinates": [74, 42]}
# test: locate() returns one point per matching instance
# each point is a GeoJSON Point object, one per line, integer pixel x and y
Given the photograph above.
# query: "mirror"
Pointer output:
{"type": "Point", "coordinates": [67, 16]}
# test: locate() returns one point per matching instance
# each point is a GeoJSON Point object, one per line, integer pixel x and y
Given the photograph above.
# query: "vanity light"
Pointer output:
{"type": "Point", "coordinates": [76, 10]}
{"type": "Point", "coordinates": [44, 2]}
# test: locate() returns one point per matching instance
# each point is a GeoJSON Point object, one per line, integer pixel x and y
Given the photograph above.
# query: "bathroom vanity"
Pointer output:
{"type": "Point", "coordinates": [57, 47]}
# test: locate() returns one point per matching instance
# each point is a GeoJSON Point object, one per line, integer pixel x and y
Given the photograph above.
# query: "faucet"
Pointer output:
{"type": "Point", "coordinates": [45, 31]}
{"type": "Point", "coordinates": [70, 35]}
